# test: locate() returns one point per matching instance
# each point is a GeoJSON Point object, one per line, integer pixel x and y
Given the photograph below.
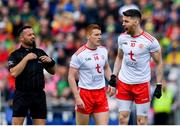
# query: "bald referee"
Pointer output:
{"type": "Point", "coordinates": [26, 64]}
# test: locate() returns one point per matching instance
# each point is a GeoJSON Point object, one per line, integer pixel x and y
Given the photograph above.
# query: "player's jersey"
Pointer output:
{"type": "Point", "coordinates": [135, 67]}
{"type": "Point", "coordinates": [90, 64]}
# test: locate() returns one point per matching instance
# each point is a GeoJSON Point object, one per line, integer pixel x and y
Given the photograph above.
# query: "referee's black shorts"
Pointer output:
{"type": "Point", "coordinates": [33, 102]}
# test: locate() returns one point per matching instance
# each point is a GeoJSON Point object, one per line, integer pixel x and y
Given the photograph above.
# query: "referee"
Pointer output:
{"type": "Point", "coordinates": [26, 64]}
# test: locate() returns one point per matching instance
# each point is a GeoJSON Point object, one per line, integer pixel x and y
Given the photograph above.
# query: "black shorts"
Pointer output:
{"type": "Point", "coordinates": [33, 102]}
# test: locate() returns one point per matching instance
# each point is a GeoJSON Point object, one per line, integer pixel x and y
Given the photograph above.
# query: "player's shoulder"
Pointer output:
{"type": "Point", "coordinates": [80, 50]}
{"type": "Point", "coordinates": [102, 48]}
{"type": "Point", "coordinates": [149, 37]}
{"type": "Point", "coordinates": [124, 34]}
{"type": "Point", "coordinates": [123, 37]}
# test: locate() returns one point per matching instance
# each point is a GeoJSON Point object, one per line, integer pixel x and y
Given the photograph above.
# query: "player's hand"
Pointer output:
{"type": "Point", "coordinates": [112, 81]}
{"type": "Point", "coordinates": [45, 59]}
{"type": "Point", "coordinates": [31, 56]}
{"type": "Point", "coordinates": [79, 103]}
{"type": "Point", "coordinates": [158, 91]}
{"type": "Point", "coordinates": [111, 90]}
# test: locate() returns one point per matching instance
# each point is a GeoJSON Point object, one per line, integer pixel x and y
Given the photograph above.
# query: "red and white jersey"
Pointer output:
{"type": "Point", "coordinates": [90, 64]}
{"type": "Point", "coordinates": [135, 67]}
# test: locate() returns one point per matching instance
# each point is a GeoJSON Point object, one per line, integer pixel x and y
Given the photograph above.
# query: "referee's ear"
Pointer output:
{"type": "Point", "coordinates": [20, 38]}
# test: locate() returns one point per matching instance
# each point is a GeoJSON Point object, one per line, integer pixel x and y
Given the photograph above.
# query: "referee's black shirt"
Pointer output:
{"type": "Point", "coordinates": [32, 77]}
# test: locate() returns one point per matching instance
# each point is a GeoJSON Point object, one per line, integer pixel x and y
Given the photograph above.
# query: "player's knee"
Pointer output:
{"type": "Point", "coordinates": [142, 120]}
{"type": "Point", "coordinates": [123, 118]}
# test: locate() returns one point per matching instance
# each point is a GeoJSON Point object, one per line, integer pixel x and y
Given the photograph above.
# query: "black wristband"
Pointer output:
{"type": "Point", "coordinates": [50, 64]}
{"type": "Point", "coordinates": [112, 80]}
{"type": "Point", "coordinates": [113, 76]}
{"type": "Point", "coordinates": [159, 85]}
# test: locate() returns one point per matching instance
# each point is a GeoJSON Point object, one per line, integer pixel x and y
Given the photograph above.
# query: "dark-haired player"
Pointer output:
{"type": "Point", "coordinates": [135, 49]}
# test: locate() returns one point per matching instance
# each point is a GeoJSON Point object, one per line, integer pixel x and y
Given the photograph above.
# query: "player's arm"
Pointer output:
{"type": "Point", "coordinates": [107, 71]}
{"type": "Point", "coordinates": [17, 70]}
{"type": "Point", "coordinates": [72, 81]}
{"type": "Point", "coordinates": [157, 57]}
{"type": "Point", "coordinates": [158, 60]}
{"type": "Point", "coordinates": [118, 62]}
{"type": "Point", "coordinates": [72, 75]}
{"type": "Point", "coordinates": [117, 66]}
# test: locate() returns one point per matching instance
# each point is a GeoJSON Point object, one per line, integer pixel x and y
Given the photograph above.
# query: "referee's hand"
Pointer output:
{"type": "Point", "coordinates": [45, 59]}
{"type": "Point", "coordinates": [31, 56]}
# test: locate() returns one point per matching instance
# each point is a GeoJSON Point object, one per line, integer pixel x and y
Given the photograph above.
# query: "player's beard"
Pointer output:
{"type": "Point", "coordinates": [128, 31]}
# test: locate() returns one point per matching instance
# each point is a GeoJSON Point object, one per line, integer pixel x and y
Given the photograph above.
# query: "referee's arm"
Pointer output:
{"type": "Point", "coordinates": [51, 70]}
{"type": "Point", "coordinates": [17, 70]}
{"type": "Point", "coordinates": [49, 64]}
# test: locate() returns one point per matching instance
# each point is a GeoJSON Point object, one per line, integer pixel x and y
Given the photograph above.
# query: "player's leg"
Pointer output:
{"type": "Point", "coordinates": [124, 111]}
{"type": "Point", "coordinates": [101, 118]}
{"type": "Point", "coordinates": [82, 115]}
{"type": "Point", "coordinates": [142, 113]}
{"type": "Point", "coordinates": [82, 119]}
{"type": "Point", "coordinates": [124, 100]}
{"type": "Point", "coordinates": [101, 108]}
{"type": "Point", "coordinates": [142, 100]}
{"type": "Point", "coordinates": [142, 120]}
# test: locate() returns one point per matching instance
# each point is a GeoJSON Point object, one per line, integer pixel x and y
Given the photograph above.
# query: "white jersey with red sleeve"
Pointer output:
{"type": "Point", "coordinates": [90, 64]}
{"type": "Point", "coordinates": [135, 67]}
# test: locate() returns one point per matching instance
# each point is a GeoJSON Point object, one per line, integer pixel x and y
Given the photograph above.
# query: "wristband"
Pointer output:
{"type": "Point", "coordinates": [113, 76]}
{"type": "Point", "coordinates": [50, 64]}
{"type": "Point", "coordinates": [158, 83]}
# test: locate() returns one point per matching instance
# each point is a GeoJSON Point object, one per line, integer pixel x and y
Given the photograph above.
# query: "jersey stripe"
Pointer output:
{"type": "Point", "coordinates": [148, 36]}
{"type": "Point", "coordinates": [81, 49]}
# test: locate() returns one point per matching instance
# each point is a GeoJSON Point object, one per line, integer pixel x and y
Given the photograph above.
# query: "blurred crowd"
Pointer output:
{"type": "Point", "coordinates": [60, 30]}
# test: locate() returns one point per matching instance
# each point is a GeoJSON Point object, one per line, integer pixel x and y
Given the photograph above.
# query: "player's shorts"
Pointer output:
{"type": "Point", "coordinates": [95, 101]}
{"type": "Point", "coordinates": [33, 102]}
{"type": "Point", "coordinates": [140, 93]}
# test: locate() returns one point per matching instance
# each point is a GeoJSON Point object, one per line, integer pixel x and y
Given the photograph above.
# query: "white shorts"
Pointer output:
{"type": "Point", "coordinates": [126, 105]}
